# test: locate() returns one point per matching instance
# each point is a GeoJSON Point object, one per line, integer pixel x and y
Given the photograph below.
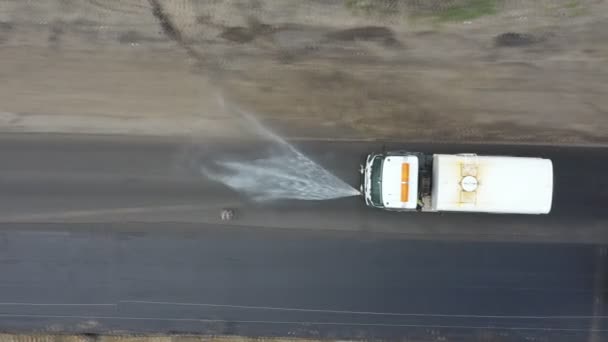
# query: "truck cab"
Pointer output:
{"type": "Point", "coordinates": [391, 181]}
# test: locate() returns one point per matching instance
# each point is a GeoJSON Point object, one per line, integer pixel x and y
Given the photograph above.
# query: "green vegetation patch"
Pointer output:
{"type": "Point", "coordinates": [443, 10]}
{"type": "Point", "coordinates": [468, 10]}
{"type": "Point", "coordinates": [372, 7]}
{"type": "Point", "coordinates": [572, 4]}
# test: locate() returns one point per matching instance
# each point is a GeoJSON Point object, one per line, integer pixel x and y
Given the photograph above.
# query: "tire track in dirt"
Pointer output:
{"type": "Point", "coordinates": [172, 32]}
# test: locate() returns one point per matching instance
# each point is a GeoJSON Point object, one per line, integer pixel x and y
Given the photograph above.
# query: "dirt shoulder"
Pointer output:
{"type": "Point", "coordinates": [530, 72]}
{"type": "Point", "coordinates": [151, 338]}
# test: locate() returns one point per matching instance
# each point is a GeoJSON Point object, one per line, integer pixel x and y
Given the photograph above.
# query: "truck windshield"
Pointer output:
{"type": "Point", "coordinates": [376, 181]}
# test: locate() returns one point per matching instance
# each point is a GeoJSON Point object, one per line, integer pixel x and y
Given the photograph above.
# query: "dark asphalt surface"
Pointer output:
{"type": "Point", "coordinates": [286, 283]}
{"type": "Point", "coordinates": [130, 228]}
{"type": "Point", "coordinates": [72, 179]}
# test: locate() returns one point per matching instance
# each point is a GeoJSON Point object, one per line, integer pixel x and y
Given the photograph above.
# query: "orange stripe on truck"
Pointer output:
{"type": "Point", "coordinates": [405, 179]}
{"type": "Point", "coordinates": [405, 192]}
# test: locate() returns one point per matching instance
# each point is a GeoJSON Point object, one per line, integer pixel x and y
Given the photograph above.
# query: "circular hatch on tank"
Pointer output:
{"type": "Point", "coordinates": [469, 183]}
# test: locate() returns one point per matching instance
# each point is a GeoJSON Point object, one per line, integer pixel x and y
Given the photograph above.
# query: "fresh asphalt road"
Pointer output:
{"type": "Point", "coordinates": [106, 234]}
{"type": "Point", "coordinates": [73, 179]}
{"type": "Point", "coordinates": [309, 284]}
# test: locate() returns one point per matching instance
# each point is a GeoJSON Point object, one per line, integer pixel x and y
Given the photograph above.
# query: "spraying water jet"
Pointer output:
{"type": "Point", "coordinates": [285, 173]}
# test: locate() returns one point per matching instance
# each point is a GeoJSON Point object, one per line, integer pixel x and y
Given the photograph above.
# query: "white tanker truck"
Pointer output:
{"type": "Point", "coordinates": [410, 181]}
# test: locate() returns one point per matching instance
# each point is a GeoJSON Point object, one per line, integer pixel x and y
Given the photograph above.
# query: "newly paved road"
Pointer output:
{"type": "Point", "coordinates": [257, 282]}
{"type": "Point", "coordinates": [103, 234]}
{"type": "Point", "coordinates": [71, 179]}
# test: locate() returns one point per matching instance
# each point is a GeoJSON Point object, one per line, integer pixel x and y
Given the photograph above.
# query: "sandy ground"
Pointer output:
{"type": "Point", "coordinates": [109, 338]}
{"type": "Point", "coordinates": [309, 69]}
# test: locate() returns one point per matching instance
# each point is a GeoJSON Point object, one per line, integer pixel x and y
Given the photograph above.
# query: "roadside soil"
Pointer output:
{"type": "Point", "coordinates": [147, 338]}
{"type": "Point", "coordinates": [535, 72]}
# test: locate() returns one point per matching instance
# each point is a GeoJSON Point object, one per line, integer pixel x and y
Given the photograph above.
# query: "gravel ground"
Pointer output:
{"type": "Point", "coordinates": [109, 338]}
{"type": "Point", "coordinates": [530, 72]}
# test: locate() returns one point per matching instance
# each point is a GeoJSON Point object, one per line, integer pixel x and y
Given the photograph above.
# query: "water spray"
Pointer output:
{"type": "Point", "coordinates": [285, 173]}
